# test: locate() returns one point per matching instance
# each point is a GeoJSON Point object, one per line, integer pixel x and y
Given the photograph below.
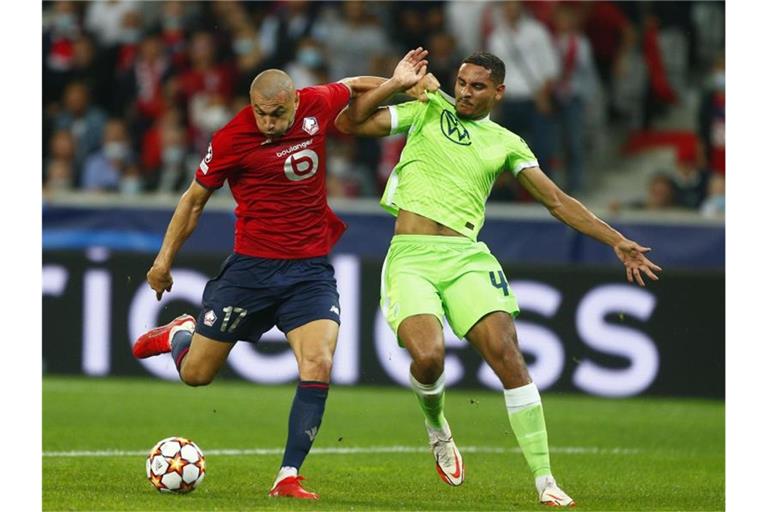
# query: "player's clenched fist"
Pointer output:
{"type": "Point", "coordinates": [160, 280]}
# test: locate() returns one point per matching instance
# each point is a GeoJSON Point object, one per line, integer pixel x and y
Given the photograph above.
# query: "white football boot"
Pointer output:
{"type": "Point", "coordinates": [551, 495]}
{"type": "Point", "coordinates": [448, 461]}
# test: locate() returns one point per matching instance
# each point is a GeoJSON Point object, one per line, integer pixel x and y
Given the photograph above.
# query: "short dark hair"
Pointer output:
{"type": "Point", "coordinates": [490, 62]}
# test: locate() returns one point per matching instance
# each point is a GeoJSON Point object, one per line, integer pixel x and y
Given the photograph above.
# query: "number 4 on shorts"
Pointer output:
{"type": "Point", "coordinates": [499, 281]}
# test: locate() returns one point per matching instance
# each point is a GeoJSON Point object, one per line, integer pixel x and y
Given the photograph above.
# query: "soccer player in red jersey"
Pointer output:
{"type": "Point", "coordinates": [272, 153]}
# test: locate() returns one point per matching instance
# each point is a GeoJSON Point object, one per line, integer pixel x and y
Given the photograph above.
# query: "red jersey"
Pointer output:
{"type": "Point", "coordinates": [279, 184]}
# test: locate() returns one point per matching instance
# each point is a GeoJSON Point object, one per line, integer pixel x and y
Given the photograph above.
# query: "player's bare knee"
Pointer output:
{"type": "Point", "coordinates": [428, 364]}
{"type": "Point", "coordinates": [195, 377]}
{"type": "Point", "coordinates": [317, 367]}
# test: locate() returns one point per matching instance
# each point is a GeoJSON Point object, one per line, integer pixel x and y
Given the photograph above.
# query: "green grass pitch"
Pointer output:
{"type": "Point", "coordinates": [635, 454]}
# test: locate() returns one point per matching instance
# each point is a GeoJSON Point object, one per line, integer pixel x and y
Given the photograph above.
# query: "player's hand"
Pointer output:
{"type": "Point", "coordinates": [411, 68]}
{"type": "Point", "coordinates": [427, 84]}
{"type": "Point", "coordinates": [632, 255]}
{"type": "Point", "coordinates": [160, 280]}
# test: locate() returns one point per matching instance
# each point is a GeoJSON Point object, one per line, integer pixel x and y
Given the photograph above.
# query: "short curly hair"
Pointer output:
{"type": "Point", "coordinates": [490, 62]}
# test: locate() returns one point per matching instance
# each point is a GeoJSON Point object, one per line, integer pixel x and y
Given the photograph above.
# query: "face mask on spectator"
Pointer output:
{"type": "Point", "coordinates": [718, 80]}
{"type": "Point", "coordinates": [116, 151]}
{"type": "Point", "coordinates": [131, 36]}
{"type": "Point", "coordinates": [215, 117]}
{"type": "Point", "coordinates": [65, 24]}
{"type": "Point", "coordinates": [172, 23]}
{"type": "Point", "coordinates": [244, 45]}
{"type": "Point", "coordinates": [130, 185]}
{"type": "Point", "coordinates": [309, 57]}
{"type": "Point", "coordinates": [173, 155]}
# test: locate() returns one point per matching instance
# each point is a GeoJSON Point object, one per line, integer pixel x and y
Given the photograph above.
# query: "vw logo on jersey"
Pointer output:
{"type": "Point", "coordinates": [310, 125]}
{"type": "Point", "coordinates": [301, 165]}
{"type": "Point", "coordinates": [453, 129]}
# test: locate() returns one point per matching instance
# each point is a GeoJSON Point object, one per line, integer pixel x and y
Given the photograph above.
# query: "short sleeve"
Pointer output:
{"type": "Point", "coordinates": [336, 95]}
{"type": "Point", "coordinates": [218, 163]}
{"type": "Point", "coordinates": [402, 116]}
{"type": "Point", "coordinates": [520, 156]}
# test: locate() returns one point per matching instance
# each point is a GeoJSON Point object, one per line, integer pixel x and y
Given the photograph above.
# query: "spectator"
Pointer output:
{"type": "Point", "coordinates": [353, 41]}
{"type": "Point", "coordinates": [59, 177]}
{"type": "Point", "coordinates": [59, 165]}
{"type": "Point", "coordinates": [691, 178]}
{"type": "Point", "coordinates": [106, 20]}
{"type": "Point", "coordinates": [282, 30]}
{"type": "Point", "coordinates": [714, 204]}
{"type": "Point", "coordinates": [174, 170]}
{"type": "Point", "coordinates": [247, 52]}
{"type": "Point", "coordinates": [143, 84]}
{"type": "Point", "coordinates": [712, 117]}
{"type": "Point", "coordinates": [206, 89]}
{"type": "Point", "coordinates": [310, 66]}
{"type": "Point", "coordinates": [174, 18]}
{"type": "Point", "coordinates": [84, 121]}
{"type": "Point", "coordinates": [415, 22]}
{"type": "Point", "coordinates": [443, 59]}
{"type": "Point", "coordinates": [612, 37]}
{"type": "Point", "coordinates": [532, 67]}
{"type": "Point", "coordinates": [469, 22]}
{"type": "Point", "coordinates": [62, 147]}
{"type": "Point", "coordinates": [62, 29]}
{"type": "Point", "coordinates": [152, 145]}
{"type": "Point", "coordinates": [574, 87]}
{"type": "Point", "coordinates": [110, 169]}
{"type": "Point", "coordinates": [660, 195]}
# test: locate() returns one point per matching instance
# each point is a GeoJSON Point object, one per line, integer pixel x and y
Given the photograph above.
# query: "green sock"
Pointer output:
{"type": "Point", "coordinates": [526, 416]}
{"type": "Point", "coordinates": [431, 398]}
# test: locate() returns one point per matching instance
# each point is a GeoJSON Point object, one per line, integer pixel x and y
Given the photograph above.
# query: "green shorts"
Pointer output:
{"type": "Point", "coordinates": [447, 276]}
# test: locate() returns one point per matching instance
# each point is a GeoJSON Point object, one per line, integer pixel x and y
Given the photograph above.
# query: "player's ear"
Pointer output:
{"type": "Point", "coordinates": [500, 91]}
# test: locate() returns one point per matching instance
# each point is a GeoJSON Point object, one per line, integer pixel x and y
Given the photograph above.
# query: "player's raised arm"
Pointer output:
{"type": "Point", "coordinates": [183, 223]}
{"type": "Point", "coordinates": [365, 117]}
{"type": "Point", "coordinates": [571, 212]}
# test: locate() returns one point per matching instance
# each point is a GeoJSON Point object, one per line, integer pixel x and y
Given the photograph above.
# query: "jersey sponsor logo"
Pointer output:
{"type": "Point", "coordinates": [334, 309]}
{"type": "Point", "coordinates": [453, 129]}
{"type": "Point", "coordinates": [210, 318]}
{"type": "Point", "coordinates": [310, 125]}
{"type": "Point", "coordinates": [301, 165]}
{"type": "Point", "coordinates": [295, 147]}
{"type": "Point", "coordinates": [208, 157]}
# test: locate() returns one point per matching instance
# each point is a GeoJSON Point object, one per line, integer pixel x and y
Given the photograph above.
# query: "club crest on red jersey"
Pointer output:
{"type": "Point", "coordinates": [310, 125]}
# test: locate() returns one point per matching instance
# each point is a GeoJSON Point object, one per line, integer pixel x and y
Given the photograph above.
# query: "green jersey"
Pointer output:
{"type": "Point", "coordinates": [448, 165]}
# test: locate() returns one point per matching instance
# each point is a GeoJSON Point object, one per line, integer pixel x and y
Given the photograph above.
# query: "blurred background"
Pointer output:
{"type": "Point", "coordinates": [622, 102]}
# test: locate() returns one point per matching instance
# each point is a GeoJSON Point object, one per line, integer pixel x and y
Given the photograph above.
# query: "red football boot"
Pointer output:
{"type": "Point", "coordinates": [158, 340]}
{"type": "Point", "coordinates": [290, 487]}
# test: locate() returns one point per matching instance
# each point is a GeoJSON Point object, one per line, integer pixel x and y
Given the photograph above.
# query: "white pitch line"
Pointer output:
{"type": "Point", "coordinates": [568, 450]}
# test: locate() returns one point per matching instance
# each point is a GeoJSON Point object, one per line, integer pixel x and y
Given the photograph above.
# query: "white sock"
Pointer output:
{"type": "Point", "coordinates": [544, 481]}
{"type": "Point", "coordinates": [284, 472]}
{"type": "Point", "coordinates": [521, 398]}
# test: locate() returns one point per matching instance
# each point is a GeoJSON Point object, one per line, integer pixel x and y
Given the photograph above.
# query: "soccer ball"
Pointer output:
{"type": "Point", "coordinates": [175, 464]}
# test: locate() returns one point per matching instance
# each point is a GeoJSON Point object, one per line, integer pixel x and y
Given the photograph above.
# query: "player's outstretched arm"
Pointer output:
{"type": "Point", "coordinates": [365, 117]}
{"type": "Point", "coordinates": [571, 212]}
{"type": "Point", "coordinates": [183, 223]}
{"type": "Point", "coordinates": [411, 68]}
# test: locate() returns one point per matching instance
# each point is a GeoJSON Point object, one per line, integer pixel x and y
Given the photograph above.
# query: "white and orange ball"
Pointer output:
{"type": "Point", "coordinates": [175, 464]}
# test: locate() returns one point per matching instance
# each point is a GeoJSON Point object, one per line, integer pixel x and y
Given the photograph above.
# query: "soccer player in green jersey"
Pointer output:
{"type": "Point", "coordinates": [435, 266]}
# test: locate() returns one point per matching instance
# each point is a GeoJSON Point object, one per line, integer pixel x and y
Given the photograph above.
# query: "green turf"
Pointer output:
{"type": "Point", "coordinates": [646, 454]}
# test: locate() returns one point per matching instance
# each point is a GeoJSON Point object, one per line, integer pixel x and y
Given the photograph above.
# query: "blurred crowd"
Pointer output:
{"type": "Point", "coordinates": [132, 91]}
